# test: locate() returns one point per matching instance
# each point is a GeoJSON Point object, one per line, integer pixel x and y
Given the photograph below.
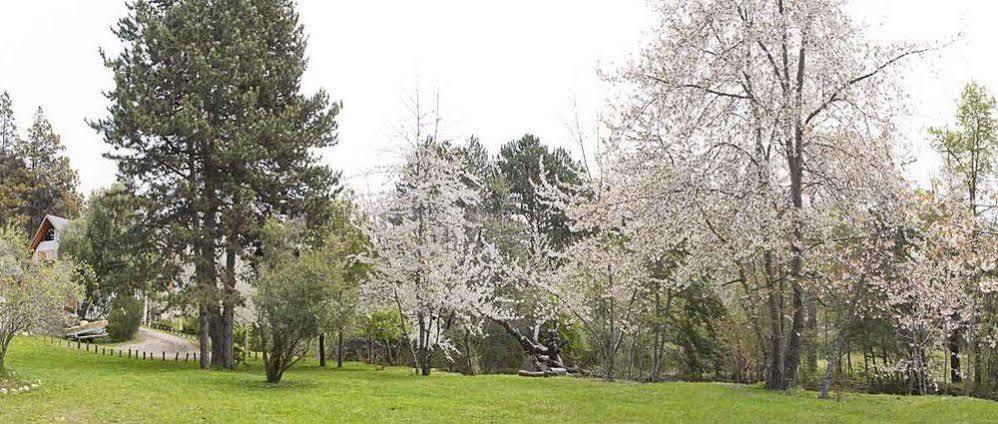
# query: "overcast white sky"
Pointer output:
{"type": "Point", "coordinates": [501, 68]}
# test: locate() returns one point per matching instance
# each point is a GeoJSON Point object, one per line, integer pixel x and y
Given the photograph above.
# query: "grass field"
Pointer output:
{"type": "Point", "coordinates": [77, 387]}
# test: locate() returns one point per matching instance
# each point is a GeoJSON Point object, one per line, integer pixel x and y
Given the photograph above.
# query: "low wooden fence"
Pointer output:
{"type": "Point", "coordinates": [100, 350]}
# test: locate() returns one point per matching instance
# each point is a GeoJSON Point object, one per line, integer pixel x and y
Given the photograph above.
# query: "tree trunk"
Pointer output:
{"type": "Point", "coordinates": [467, 351]}
{"type": "Point", "coordinates": [609, 350]}
{"type": "Point", "coordinates": [229, 296]}
{"type": "Point", "coordinates": [609, 363]}
{"type": "Point", "coordinates": [228, 342]}
{"type": "Point", "coordinates": [206, 268]}
{"type": "Point", "coordinates": [423, 348]}
{"type": "Point", "coordinates": [217, 336]}
{"type": "Point", "coordinates": [204, 340]}
{"type": "Point", "coordinates": [5, 340]}
{"type": "Point", "coordinates": [656, 357]}
{"type": "Point", "coordinates": [322, 350]}
{"type": "Point", "coordinates": [774, 378]}
{"type": "Point", "coordinates": [793, 353]}
{"type": "Point", "coordinates": [339, 349]}
{"type": "Point", "coordinates": [827, 381]}
{"type": "Point", "coordinates": [427, 355]}
{"type": "Point", "coordinates": [954, 357]}
{"type": "Point", "coordinates": [274, 368]}
{"type": "Point", "coordinates": [544, 357]}
{"type": "Point", "coordinates": [792, 360]}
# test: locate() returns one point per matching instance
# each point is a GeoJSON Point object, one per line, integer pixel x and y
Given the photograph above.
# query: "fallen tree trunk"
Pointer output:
{"type": "Point", "coordinates": [547, 359]}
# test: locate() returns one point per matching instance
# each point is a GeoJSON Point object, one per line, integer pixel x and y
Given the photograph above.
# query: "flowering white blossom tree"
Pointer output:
{"type": "Point", "coordinates": [909, 261]}
{"type": "Point", "coordinates": [33, 294]}
{"type": "Point", "coordinates": [752, 121]}
{"type": "Point", "coordinates": [431, 263]}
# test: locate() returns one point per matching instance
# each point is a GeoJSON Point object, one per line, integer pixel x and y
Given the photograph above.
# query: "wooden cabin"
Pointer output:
{"type": "Point", "coordinates": [45, 243]}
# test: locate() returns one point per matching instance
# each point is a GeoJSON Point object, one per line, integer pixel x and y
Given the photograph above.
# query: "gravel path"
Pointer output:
{"type": "Point", "coordinates": [150, 340]}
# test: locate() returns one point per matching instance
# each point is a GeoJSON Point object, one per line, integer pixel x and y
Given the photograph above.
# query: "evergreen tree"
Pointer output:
{"type": "Point", "coordinates": [11, 166]}
{"type": "Point", "coordinates": [116, 247]}
{"type": "Point", "coordinates": [524, 164]}
{"type": "Point", "coordinates": [51, 180]}
{"type": "Point", "coordinates": [37, 177]}
{"type": "Point", "coordinates": [208, 117]}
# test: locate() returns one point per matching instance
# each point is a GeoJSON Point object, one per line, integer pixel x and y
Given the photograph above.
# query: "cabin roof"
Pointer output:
{"type": "Point", "coordinates": [51, 222]}
{"type": "Point", "coordinates": [58, 222]}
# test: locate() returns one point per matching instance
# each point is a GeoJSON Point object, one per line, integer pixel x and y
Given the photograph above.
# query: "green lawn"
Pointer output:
{"type": "Point", "coordinates": [77, 387]}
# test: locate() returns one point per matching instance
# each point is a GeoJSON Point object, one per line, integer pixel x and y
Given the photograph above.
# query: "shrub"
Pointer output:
{"type": "Point", "coordinates": [124, 319]}
{"type": "Point", "coordinates": [190, 325]}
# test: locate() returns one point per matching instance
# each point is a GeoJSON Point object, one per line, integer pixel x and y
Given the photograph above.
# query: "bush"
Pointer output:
{"type": "Point", "coordinates": [190, 325]}
{"type": "Point", "coordinates": [124, 319]}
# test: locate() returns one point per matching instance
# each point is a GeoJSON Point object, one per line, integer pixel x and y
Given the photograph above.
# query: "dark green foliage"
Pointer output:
{"type": "Point", "coordinates": [700, 350]}
{"type": "Point", "coordinates": [295, 294]}
{"type": "Point", "coordinates": [37, 177]}
{"type": "Point", "coordinates": [12, 170]}
{"type": "Point", "coordinates": [190, 325]}
{"type": "Point", "coordinates": [124, 319]}
{"type": "Point", "coordinates": [498, 352]}
{"type": "Point", "coordinates": [525, 163]}
{"type": "Point", "coordinates": [115, 244]}
{"type": "Point", "coordinates": [52, 181]}
{"type": "Point", "coordinates": [208, 121]}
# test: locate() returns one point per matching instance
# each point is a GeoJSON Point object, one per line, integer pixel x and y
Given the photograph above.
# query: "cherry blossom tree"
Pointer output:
{"type": "Point", "coordinates": [751, 121]}
{"type": "Point", "coordinates": [909, 260]}
{"type": "Point", "coordinates": [430, 263]}
{"type": "Point", "coordinates": [33, 294]}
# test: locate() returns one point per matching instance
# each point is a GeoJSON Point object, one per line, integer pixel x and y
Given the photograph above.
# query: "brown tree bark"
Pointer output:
{"type": "Point", "coordinates": [322, 350]}
{"type": "Point", "coordinates": [229, 297]}
{"type": "Point", "coordinates": [795, 161]}
{"type": "Point", "coordinates": [469, 355]}
{"type": "Point", "coordinates": [954, 358]}
{"type": "Point", "coordinates": [792, 359]}
{"type": "Point", "coordinates": [204, 340]}
{"type": "Point", "coordinates": [774, 376]}
{"type": "Point", "coordinates": [339, 349]}
{"type": "Point", "coordinates": [217, 336]}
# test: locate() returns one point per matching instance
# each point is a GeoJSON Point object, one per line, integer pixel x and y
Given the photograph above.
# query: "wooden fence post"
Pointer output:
{"type": "Point", "coordinates": [164, 356]}
{"type": "Point", "coordinates": [176, 357]}
{"type": "Point", "coordinates": [187, 355]}
{"type": "Point", "coordinates": [129, 353]}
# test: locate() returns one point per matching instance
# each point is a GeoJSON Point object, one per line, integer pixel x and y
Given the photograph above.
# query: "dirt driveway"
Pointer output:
{"type": "Point", "coordinates": [150, 340]}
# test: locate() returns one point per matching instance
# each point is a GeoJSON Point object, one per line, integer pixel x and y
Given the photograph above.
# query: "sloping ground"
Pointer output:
{"type": "Point", "coordinates": [156, 341]}
{"type": "Point", "coordinates": [88, 388]}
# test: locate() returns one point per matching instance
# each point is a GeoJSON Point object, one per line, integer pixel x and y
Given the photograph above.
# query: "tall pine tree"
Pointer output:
{"type": "Point", "coordinates": [12, 175]}
{"type": "Point", "coordinates": [36, 176]}
{"type": "Point", "coordinates": [52, 181]}
{"type": "Point", "coordinates": [208, 121]}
